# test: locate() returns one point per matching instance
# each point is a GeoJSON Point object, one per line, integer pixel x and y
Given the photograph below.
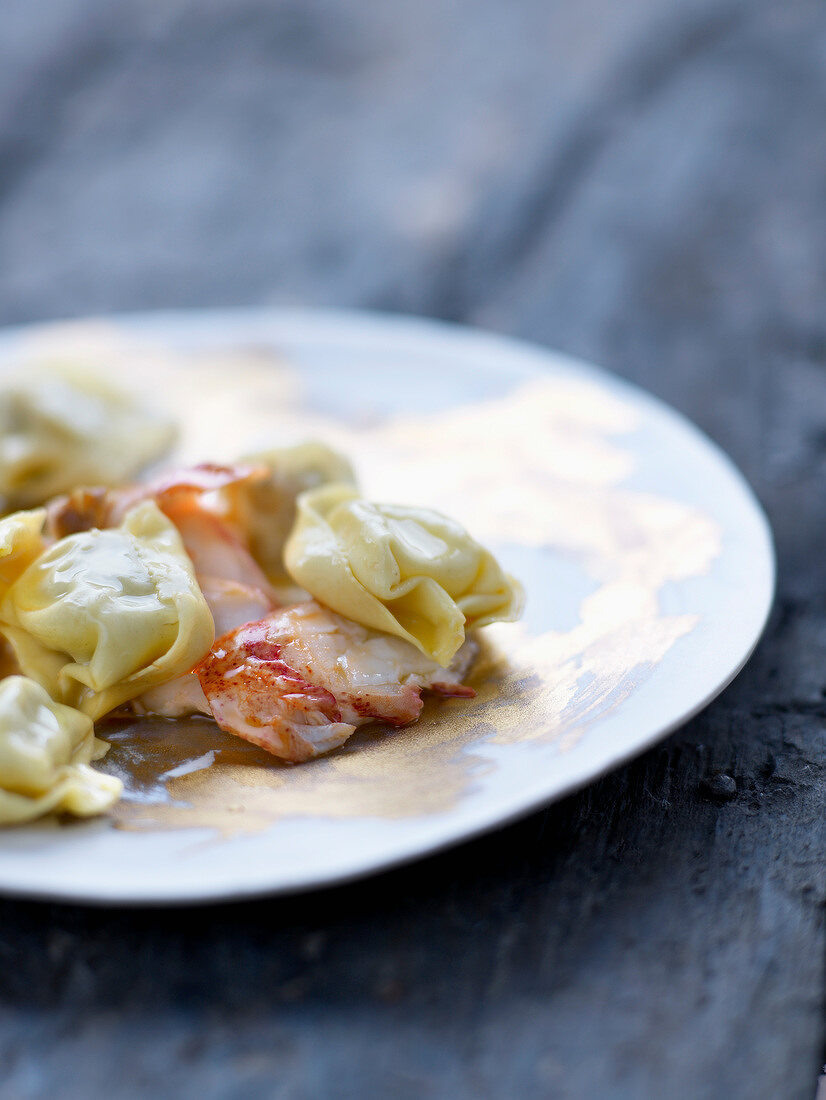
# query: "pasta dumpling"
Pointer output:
{"type": "Point", "coordinates": [101, 616]}
{"type": "Point", "coordinates": [407, 571]}
{"type": "Point", "coordinates": [45, 750]}
{"type": "Point", "coordinates": [21, 541]}
{"type": "Point", "coordinates": [265, 508]}
{"type": "Point", "coordinates": [60, 428]}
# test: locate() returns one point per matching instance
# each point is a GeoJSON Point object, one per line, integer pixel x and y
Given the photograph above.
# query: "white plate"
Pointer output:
{"type": "Point", "coordinates": [647, 562]}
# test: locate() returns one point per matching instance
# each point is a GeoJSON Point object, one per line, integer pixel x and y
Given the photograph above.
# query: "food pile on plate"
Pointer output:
{"type": "Point", "coordinates": [268, 595]}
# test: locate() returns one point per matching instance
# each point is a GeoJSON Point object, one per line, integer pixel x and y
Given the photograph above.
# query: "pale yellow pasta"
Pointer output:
{"type": "Point", "coordinates": [102, 616]}
{"type": "Point", "coordinates": [45, 751]}
{"type": "Point", "coordinates": [21, 541]}
{"type": "Point", "coordinates": [63, 427]}
{"type": "Point", "coordinates": [265, 510]}
{"type": "Point", "coordinates": [408, 571]}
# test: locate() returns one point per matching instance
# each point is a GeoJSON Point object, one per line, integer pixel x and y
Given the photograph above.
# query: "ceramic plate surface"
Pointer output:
{"type": "Point", "coordinates": [647, 564]}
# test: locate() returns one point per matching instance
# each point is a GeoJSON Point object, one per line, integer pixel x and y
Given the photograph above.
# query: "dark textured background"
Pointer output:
{"type": "Point", "coordinates": [642, 183]}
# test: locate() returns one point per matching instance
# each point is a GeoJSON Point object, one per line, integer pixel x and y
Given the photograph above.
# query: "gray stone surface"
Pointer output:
{"type": "Point", "coordinates": [642, 183]}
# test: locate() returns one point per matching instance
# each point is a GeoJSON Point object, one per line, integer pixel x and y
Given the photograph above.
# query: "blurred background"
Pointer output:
{"type": "Point", "coordinates": [616, 179]}
{"type": "Point", "coordinates": [641, 183]}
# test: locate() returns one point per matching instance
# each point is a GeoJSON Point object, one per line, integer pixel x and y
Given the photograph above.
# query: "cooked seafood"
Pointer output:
{"type": "Point", "coordinates": [300, 682]}
{"type": "Point", "coordinates": [232, 604]}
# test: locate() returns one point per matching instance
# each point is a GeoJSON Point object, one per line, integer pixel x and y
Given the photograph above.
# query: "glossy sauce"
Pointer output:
{"type": "Point", "coordinates": [146, 753]}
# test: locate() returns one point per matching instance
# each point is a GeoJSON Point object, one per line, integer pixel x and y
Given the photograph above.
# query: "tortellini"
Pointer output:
{"type": "Point", "coordinates": [60, 428]}
{"type": "Point", "coordinates": [101, 616]}
{"type": "Point", "coordinates": [21, 541]}
{"type": "Point", "coordinates": [45, 750]}
{"type": "Point", "coordinates": [265, 510]}
{"type": "Point", "coordinates": [407, 571]}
